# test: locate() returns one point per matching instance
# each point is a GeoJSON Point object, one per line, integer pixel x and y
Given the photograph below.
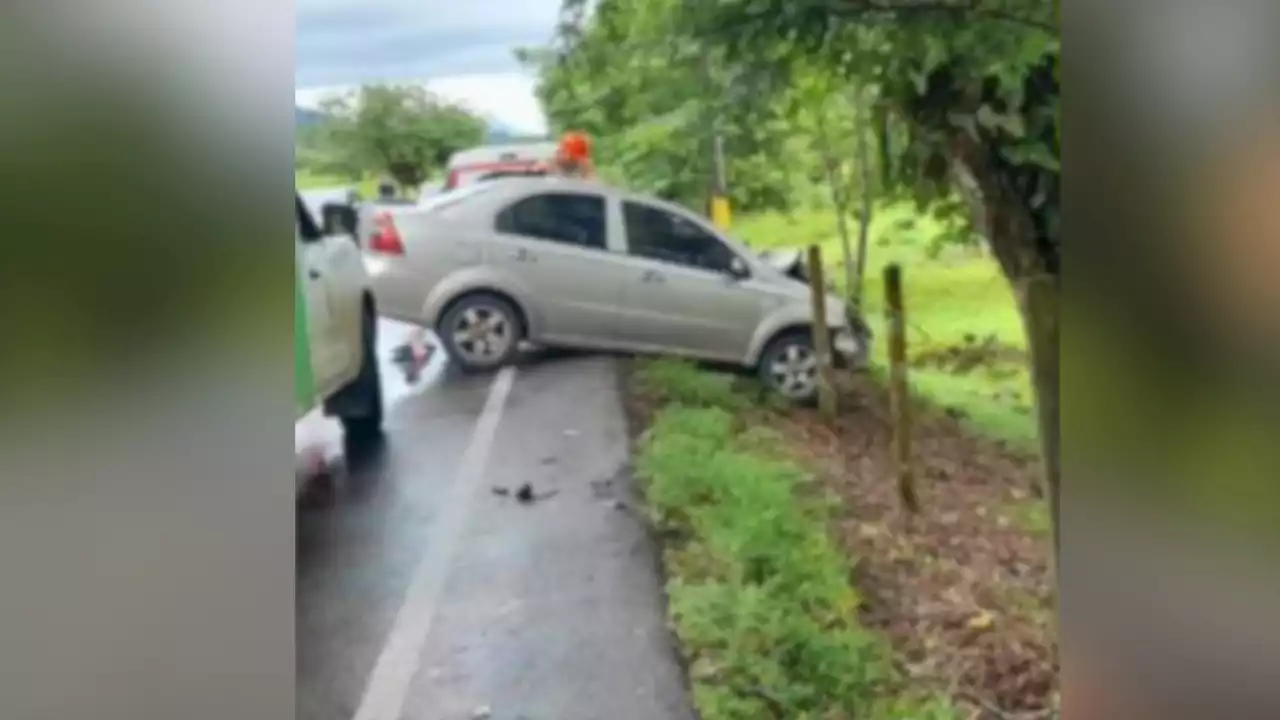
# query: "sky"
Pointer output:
{"type": "Point", "coordinates": [460, 49]}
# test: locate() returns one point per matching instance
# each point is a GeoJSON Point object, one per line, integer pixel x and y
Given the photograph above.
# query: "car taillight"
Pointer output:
{"type": "Point", "coordinates": [451, 181]}
{"type": "Point", "coordinates": [386, 238]}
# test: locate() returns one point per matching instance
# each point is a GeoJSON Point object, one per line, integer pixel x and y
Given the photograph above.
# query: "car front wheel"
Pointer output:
{"type": "Point", "coordinates": [789, 367]}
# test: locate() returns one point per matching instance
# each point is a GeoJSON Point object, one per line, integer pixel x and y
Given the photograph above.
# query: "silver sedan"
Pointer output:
{"type": "Point", "coordinates": [573, 263]}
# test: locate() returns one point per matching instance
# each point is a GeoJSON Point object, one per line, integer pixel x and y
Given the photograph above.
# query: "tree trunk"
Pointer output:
{"type": "Point", "coordinates": [839, 198]}
{"type": "Point", "coordinates": [1010, 230]}
{"type": "Point", "coordinates": [884, 145]}
{"type": "Point", "coordinates": [1039, 298]}
{"type": "Point", "coordinates": [864, 228]}
{"type": "Point", "coordinates": [973, 198]}
{"type": "Point", "coordinates": [1011, 235]}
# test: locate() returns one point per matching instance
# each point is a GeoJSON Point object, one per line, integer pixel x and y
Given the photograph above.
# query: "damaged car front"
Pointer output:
{"type": "Point", "coordinates": [851, 348]}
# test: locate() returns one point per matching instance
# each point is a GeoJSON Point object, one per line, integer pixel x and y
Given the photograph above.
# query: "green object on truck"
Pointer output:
{"type": "Point", "coordinates": [304, 389]}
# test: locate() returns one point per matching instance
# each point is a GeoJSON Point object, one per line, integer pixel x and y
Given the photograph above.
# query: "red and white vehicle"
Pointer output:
{"type": "Point", "coordinates": [482, 163]}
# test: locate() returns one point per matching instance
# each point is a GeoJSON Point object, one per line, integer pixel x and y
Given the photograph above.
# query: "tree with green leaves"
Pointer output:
{"type": "Point", "coordinates": [975, 84]}
{"type": "Point", "coordinates": [630, 74]}
{"type": "Point", "coordinates": [401, 130]}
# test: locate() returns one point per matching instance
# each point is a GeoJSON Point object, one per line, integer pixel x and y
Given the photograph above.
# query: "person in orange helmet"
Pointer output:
{"type": "Point", "coordinates": [573, 156]}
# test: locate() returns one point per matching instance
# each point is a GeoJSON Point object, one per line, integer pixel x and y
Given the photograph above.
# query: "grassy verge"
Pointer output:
{"type": "Point", "coordinates": [304, 180]}
{"type": "Point", "coordinates": [965, 336]}
{"type": "Point", "coordinates": [759, 595]}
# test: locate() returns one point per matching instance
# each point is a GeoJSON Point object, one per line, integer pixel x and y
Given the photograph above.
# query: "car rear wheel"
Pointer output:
{"type": "Point", "coordinates": [481, 332]}
{"type": "Point", "coordinates": [789, 367]}
{"type": "Point", "coordinates": [362, 415]}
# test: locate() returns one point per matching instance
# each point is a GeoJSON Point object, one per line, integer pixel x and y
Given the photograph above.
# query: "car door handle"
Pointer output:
{"type": "Point", "coordinates": [653, 276]}
{"type": "Point", "coordinates": [313, 274]}
{"type": "Point", "coordinates": [523, 255]}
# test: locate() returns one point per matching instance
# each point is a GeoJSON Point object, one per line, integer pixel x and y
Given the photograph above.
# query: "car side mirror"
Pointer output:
{"type": "Point", "coordinates": [738, 269]}
{"type": "Point", "coordinates": [339, 219]}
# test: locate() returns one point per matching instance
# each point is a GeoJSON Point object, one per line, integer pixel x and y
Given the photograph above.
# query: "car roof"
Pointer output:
{"type": "Point", "coordinates": [529, 184]}
{"type": "Point", "coordinates": [521, 185]}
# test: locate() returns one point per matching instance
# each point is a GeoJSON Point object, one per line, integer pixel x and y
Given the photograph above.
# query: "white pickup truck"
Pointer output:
{"type": "Point", "coordinates": [335, 326]}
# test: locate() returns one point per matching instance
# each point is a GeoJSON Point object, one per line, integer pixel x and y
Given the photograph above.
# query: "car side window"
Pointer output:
{"type": "Point", "coordinates": [570, 218]}
{"type": "Point", "coordinates": [660, 235]}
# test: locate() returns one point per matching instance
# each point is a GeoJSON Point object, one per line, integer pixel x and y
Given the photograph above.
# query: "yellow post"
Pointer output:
{"type": "Point", "coordinates": [720, 211]}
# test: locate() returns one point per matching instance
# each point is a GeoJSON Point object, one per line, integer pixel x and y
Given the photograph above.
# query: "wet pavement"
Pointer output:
{"type": "Point", "coordinates": [427, 591]}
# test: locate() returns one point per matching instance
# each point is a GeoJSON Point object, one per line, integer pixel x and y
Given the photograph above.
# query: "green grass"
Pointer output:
{"type": "Point", "coordinates": [1031, 517]}
{"type": "Point", "coordinates": [950, 296]}
{"type": "Point", "coordinates": [675, 381]}
{"type": "Point", "coordinates": [368, 187]}
{"type": "Point", "coordinates": [758, 592]}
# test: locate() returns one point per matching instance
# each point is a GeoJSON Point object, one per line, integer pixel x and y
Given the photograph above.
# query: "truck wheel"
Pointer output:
{"type": "Point", "coordinates": [362, 417]}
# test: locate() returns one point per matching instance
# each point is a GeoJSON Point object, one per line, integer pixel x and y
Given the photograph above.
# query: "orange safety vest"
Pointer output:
{"type": "Point", "coordinates": [573, 157]}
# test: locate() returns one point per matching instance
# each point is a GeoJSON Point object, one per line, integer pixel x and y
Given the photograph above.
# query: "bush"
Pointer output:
{"type": "Point", "coordinates": [758, 592]}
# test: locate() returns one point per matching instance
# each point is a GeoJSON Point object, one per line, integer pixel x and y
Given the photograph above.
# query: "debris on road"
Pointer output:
{"type": "Point", "coordinates": [602, 488]}
{"type": "Point", "coordinates": [413, 355]}
{"type": "Point", "coordinates": [526, 495]}
{"type": "Point", "coordinates": [481, 713]}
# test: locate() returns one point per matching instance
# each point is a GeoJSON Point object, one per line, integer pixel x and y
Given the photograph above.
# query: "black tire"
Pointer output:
{"type": "Point", "coordinates": [468, 357]}
{"type": "Point", "coordinates": [362, 417]}
{"type": "Point", "coordinates": [787, 348]}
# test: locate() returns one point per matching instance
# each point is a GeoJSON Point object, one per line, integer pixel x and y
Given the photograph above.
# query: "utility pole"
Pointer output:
{"type": "Point", "coordinates": [720, 192]}
{"type": "Point", "coordinates": [719, 200]}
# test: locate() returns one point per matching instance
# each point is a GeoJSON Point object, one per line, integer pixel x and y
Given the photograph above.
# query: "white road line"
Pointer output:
{"type": "Point", "coordinates": [388, 684]}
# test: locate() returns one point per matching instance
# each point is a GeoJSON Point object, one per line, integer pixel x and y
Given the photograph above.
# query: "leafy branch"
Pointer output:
{"type": "Point", "coordinates": [971, 8]}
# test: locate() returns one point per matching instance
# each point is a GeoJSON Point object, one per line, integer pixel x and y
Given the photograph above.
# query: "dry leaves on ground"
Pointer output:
{"type": "Point", "coordinates": [962, 589]}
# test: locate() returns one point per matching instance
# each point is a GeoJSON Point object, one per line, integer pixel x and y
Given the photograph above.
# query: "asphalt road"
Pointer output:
{"type": "Point", "coordinates": [424, 594]}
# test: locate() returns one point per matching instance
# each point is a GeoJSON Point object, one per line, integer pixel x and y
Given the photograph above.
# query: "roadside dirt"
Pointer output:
{"type": "Point", "coordinates": [962, 590]}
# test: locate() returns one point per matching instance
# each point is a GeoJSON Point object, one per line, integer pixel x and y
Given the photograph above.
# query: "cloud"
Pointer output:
{"type": "Point", "coordinates": [458, 48]}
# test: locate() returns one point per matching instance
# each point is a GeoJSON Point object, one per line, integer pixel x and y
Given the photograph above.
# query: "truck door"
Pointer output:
{"type": "Point", "coordinates": [327, 354]}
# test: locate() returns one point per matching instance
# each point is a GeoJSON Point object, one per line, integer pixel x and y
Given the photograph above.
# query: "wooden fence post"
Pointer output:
{"type": "Point", "coordinates": [822, 334]}
{"type": "Point", "coordinates": [899, 390]}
